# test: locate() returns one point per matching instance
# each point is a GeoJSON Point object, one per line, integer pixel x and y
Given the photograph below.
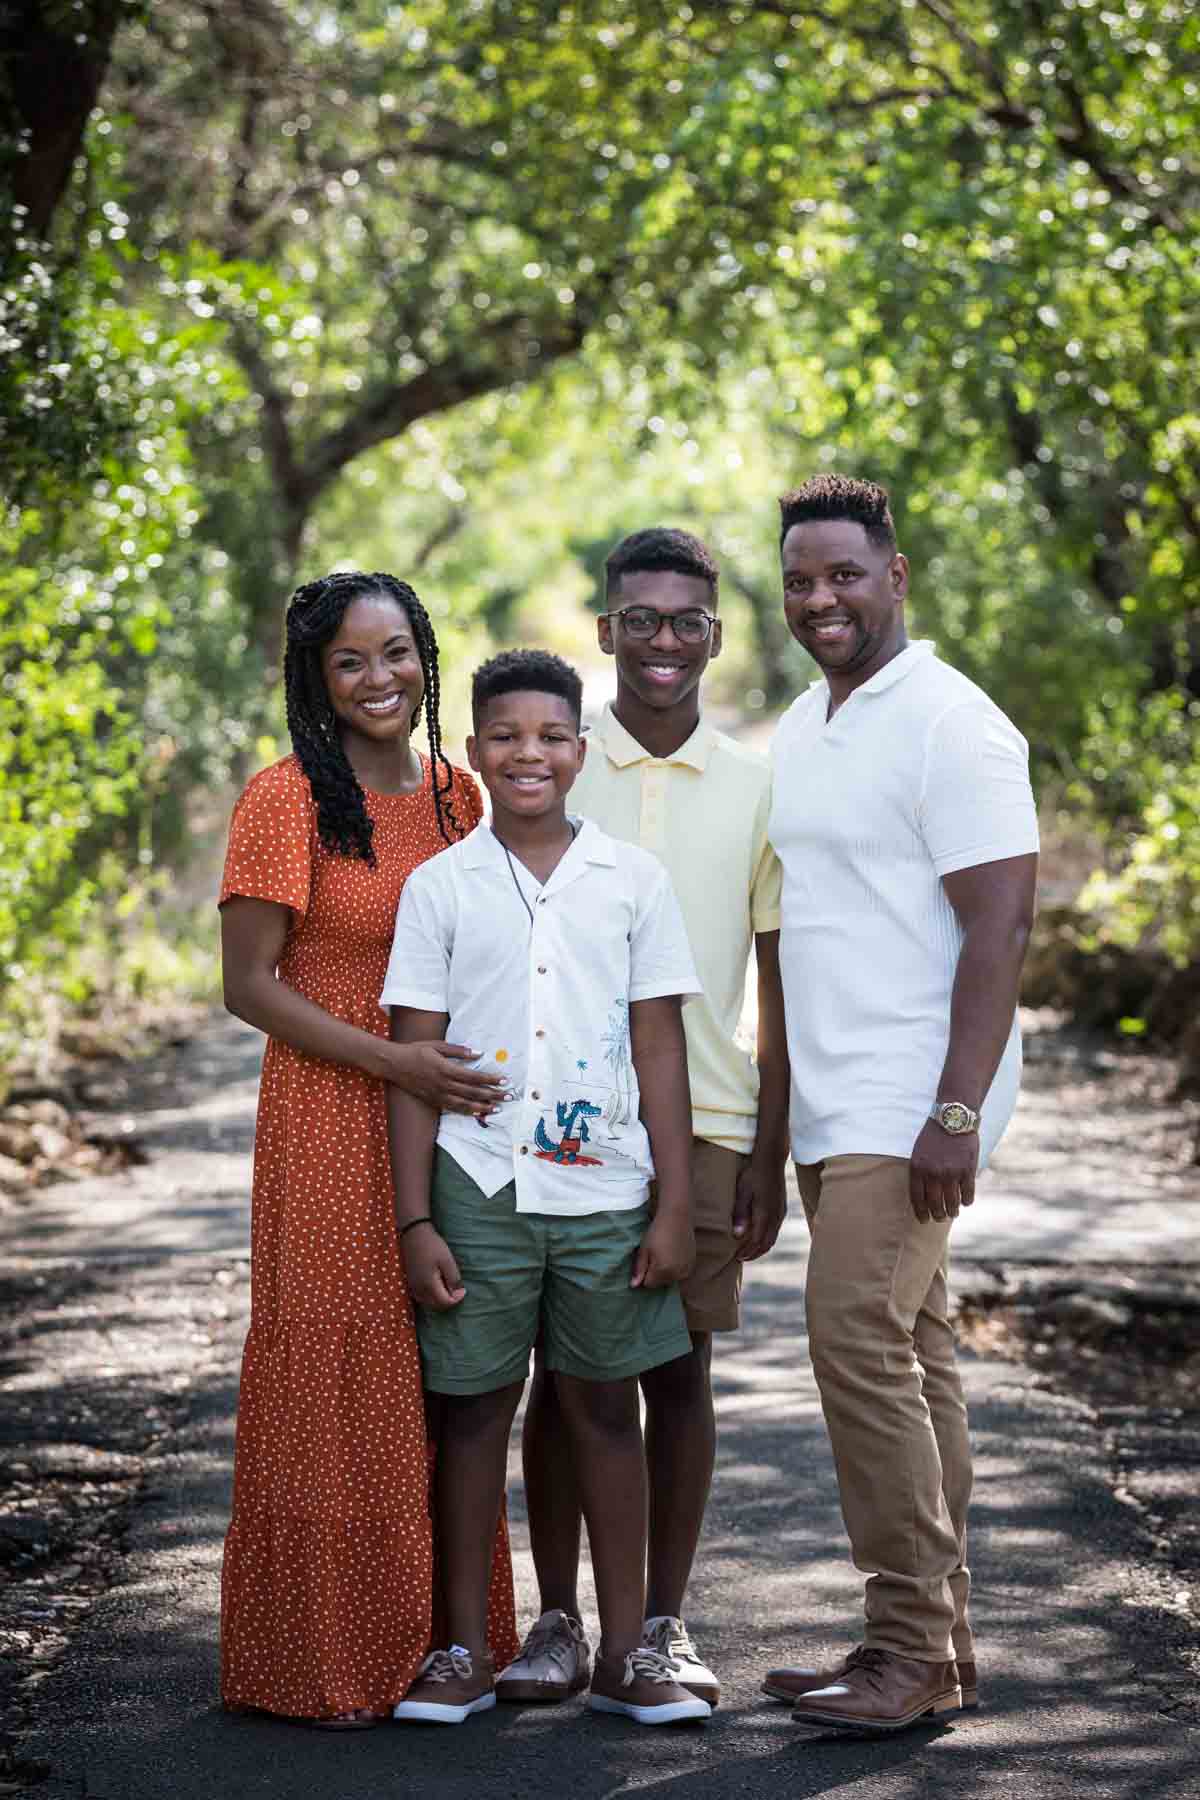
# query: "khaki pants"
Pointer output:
{"type": "Point", "coordinates": [883, 1354]}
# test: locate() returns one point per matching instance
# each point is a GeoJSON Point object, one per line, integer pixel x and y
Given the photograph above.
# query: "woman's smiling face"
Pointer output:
{"type": "Point", "coordinates": [372, 670]}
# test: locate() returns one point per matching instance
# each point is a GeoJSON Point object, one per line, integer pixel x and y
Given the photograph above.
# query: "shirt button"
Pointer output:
{"type": "Point", "coordinates": [524, 1149]}
{"type": "Point", "coordinates": [535, 1095]}
{"type": "Point", "coordinates": [539, 1032]}
{"type": "Point", "coordinates": [541, 968]}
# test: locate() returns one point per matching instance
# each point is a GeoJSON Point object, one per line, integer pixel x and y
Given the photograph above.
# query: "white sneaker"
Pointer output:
{"type": "Point", "coordinates": [555, 1662]}
{"type": "Point", "coordinates": [670, 1638]}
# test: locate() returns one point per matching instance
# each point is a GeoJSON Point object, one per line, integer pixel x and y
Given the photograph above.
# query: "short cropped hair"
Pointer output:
{"type": "Point", "coordinates": [660, 548]}
{"type": "Point", "coordinates": [526, 671]}
{"type": "Point", "coordinates": [840, 497]}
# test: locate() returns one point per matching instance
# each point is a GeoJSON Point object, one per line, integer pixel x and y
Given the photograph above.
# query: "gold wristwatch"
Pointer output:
{"type": "Point", "coordinates": [954, 1116]}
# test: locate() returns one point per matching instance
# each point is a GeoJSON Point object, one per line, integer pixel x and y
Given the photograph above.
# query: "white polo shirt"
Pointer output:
{"type": "Point", "coordinates": [917, 774]}
{"type": "Point", "coordinates": [547, 1002]}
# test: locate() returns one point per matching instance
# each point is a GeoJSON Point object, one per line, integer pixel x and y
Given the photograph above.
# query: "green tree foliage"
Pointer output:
{"type": "Point", "coordinates": [473, 286]}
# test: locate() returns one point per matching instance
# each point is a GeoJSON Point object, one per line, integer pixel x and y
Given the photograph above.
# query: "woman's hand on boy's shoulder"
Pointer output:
{"type": "Point", "coordinates": [666, 1253]}
{"type": "Point", "coordinates": [433, 1275]}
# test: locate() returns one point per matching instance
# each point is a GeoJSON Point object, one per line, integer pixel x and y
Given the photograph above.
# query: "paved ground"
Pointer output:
{"type": "Point", "coordinates": [1088, 1654]}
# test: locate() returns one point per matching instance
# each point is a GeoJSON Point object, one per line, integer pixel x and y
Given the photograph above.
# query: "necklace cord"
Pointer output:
{"type": "Point", "coordinates": [516, 883]}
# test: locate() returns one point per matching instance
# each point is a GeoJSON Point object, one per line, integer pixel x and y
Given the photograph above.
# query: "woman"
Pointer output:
{"type": "Point", "coordinates": [328, 1573]}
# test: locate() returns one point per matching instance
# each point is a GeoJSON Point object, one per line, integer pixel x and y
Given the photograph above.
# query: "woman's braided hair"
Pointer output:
{"type": "Point", "coordinates": [314, 615]}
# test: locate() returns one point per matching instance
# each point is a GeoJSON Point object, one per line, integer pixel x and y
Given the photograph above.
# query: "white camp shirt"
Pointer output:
{"type": "Point", "coordinates": [547, 1003]}
{"type": "Point", "coordinates": [917, 774]}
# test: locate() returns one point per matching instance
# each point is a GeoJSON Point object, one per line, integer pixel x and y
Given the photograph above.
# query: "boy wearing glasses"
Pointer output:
{"type": "Point", "coordinates": [658, 775]}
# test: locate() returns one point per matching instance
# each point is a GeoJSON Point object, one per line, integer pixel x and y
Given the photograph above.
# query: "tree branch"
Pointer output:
{"type": "Point", "coordinates": [389, 409]}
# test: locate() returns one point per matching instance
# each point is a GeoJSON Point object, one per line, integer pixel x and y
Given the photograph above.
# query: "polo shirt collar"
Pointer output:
{"type": "Point", "coordinates": [901, 665]}
{"type": "Point", "coordinates": [623, 749]}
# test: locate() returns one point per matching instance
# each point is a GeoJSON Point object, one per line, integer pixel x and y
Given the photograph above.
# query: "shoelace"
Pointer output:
{"type": "Point", "coordinates": [871, 1662]}
{"type": "Point", "coordinates": [651, 1664]}
{"type": "Point", "coordinates": [555, 1641]}
{"type": "Point", "coordinates": [446, 1665]}
{"type": "Point", "coordinates": [671, 1640]}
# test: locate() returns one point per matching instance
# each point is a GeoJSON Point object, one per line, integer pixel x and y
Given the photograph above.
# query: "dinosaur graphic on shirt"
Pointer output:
{"type": "Point", "coordinates": [572, 1116]}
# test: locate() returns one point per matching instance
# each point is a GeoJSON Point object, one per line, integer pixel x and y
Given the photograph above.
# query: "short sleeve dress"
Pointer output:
{"type": "Point", "coordinates": [327, 1583]}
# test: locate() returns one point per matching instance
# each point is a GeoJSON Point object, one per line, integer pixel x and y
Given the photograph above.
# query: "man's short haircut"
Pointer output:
{"type": "Point", "coordinates": [840, 497]}
{"type": "Point", "coordinates": [522, 672]}
{"type": "Point", "coordinates": [664, 549]}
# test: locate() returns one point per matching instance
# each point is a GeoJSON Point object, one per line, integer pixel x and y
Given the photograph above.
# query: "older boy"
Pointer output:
{"type": "Point", "coordinates": [562, 955]}
{"type": "Point", "coordinates": [660, 776]}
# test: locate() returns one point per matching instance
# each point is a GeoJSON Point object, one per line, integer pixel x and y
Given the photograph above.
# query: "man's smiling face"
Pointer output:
{"type": "Point", "coordinates": [843, 597]}
{"type": "Point", "coordinates": [660, 671]}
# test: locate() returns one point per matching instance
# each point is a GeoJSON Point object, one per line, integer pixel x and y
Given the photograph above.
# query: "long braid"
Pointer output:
{"type": "Point", "coordinates": [314, 615]}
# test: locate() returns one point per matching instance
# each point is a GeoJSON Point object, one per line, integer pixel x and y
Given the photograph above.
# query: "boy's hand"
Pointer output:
{"type": "Point", "coordinates": [759, 1209]}
{"type": "Point", "coordinates": [433, 1277]}
{"type": "Point", "coordinates": [666, 1253]}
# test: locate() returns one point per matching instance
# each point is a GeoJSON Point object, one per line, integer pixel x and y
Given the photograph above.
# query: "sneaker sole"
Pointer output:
{"type": "Point", "coordinates": [676, 1712]}
{"type": "Point", "coordinates": [710, 1695]}
{"type": "Point", "coordinates": [945, 1703]}
{"type": "Point", "coordinates": [428, 1712]}
{"type": "Point", "coordinates": [540, 1693]}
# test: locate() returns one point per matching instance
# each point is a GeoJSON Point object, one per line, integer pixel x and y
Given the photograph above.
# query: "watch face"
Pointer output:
{"type": "Point", "coordinates": [956, 1117]}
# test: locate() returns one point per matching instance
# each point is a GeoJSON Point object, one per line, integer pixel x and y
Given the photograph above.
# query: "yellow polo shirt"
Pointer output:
{"type": "Point", "coordinates": [703, 812]}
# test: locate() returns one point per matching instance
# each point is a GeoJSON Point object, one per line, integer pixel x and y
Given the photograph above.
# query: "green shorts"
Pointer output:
{"type": "Point", "coordinates": [525, 1271]}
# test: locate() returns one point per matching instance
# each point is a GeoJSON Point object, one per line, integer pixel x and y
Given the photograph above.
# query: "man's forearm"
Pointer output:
{"type": "Point", "coordinates": [982, 1004]}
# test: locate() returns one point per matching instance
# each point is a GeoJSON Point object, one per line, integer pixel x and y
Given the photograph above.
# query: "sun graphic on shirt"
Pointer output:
{"type": "Point", "coordinates": [502, 1056]}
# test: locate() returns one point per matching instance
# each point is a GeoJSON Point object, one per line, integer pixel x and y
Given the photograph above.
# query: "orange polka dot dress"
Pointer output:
{"type": "Point", "coordinates": [327, 1584]}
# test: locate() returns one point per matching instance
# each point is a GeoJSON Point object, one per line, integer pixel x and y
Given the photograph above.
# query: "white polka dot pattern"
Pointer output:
{"type": "Point", "coordinates": [327, 1586]}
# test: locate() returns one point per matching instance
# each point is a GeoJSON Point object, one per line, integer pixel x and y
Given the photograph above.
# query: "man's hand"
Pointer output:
{"type": "Point", "coordinates": [438, 1073]}
{"type": "Point", "coordinates": [759, 1208]}
{"type": "Point", "coordinates": [666, 1253]}
{"type": "Point", "coordinates": [433, 1275]}
{"type": "Point", "coordinates": [941, 1172]}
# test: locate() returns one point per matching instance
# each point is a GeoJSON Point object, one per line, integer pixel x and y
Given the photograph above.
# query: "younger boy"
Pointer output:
{"type": "Point", "coordinates": [562, 955]}
{"type": "Point", "coordinates": [660, 776]}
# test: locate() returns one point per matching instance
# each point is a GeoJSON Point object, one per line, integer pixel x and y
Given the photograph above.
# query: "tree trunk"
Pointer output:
{"type": "Point", "coordinates": [772, 641]}
{"type": "Point", "coordinates": [52, 82]}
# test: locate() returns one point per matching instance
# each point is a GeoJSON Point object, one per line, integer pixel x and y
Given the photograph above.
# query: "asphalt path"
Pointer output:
{"type": "Point", "coordinates": [1084, 1655]}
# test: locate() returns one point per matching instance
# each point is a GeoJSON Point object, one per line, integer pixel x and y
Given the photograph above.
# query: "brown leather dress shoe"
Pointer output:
{"type": "Point", "coordinates": [790, 1683]}
{"type": "Point", "coordinates": [881, 1692]}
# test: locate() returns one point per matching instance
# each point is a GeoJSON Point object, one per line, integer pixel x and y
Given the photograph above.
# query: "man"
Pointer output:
{"type": "Point", "coordinates": [657, 774]}
{"type": "Point", "coordinates": [904, 820]}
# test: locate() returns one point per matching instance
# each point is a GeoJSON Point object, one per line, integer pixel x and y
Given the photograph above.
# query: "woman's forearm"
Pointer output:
{"type": "Point", "coordinates": [271, 1005]}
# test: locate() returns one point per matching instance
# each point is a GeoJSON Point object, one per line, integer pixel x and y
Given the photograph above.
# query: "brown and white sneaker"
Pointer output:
{"type": "Point", "coordinates": [791, 1684]}
{"type": "Point", "coordinates": [644, 1685]}
{"type": "Point", "coordinates": [555, 1662]}
{"type": "Point", "coordinates": [671, 1638]}
{"type": "Point", "coordinates": [881, 1692]}
{"type": "Point", "coordinates": [448, 1689]}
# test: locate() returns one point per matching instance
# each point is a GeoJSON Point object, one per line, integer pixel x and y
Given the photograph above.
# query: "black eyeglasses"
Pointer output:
{"type": "Point", "coordinates": [643, 623]}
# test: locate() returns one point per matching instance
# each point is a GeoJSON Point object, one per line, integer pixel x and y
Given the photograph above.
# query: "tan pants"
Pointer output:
{"type": "Point", "coordinates": [883, 1354]}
